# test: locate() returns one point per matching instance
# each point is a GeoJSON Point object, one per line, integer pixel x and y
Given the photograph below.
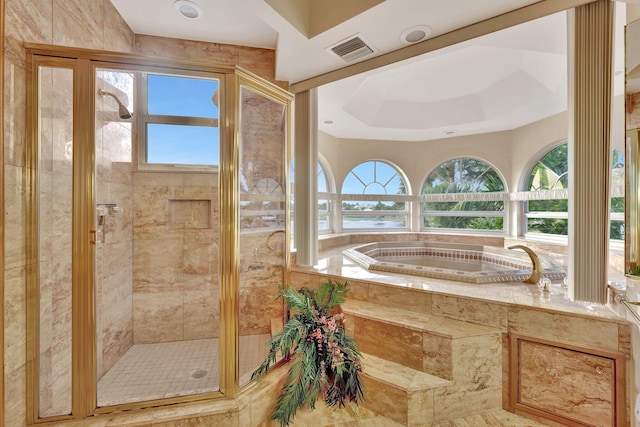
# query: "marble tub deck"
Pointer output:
{"type": "Point", "coordinates": [333, 262]}
{"type": "Point", "coordinates": [511, 307]}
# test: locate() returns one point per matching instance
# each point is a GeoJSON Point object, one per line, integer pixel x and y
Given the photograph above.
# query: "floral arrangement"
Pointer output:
{"type": "Point", "coordinates": [325, 361]}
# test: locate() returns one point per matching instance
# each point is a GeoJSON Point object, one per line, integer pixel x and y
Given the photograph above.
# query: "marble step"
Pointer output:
{"type": "Point", "coordinates": [420, 341]}
{"type": "Point", "coordinates": [466, 354]}
{"type": "Point", "coordinates": [402, 394]}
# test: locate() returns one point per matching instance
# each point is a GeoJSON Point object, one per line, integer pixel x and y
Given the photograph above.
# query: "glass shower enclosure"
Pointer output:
{"type": "Point", "coordinates": [152, 280]}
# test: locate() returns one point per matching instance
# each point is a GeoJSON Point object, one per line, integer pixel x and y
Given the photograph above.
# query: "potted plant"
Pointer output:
{"type": "Point", "coordinates": [325, 362]}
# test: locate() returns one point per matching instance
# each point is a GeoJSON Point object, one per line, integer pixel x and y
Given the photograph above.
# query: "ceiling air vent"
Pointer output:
{"type": "Point", "coordinates": [355, 47]}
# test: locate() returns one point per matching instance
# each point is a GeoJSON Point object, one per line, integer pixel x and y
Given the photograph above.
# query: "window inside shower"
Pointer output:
{"type": "Point", "coordinates": [178, 121]}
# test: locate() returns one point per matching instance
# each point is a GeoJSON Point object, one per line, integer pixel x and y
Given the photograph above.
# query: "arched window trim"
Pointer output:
{"type": "Point", "coordinates": [543, 194]}
{"type": "Point", "coordinates": [385, 217]}
{"type": "Point", "coordinates": [327, 198]}
{"type": "Point", "coordinates": [498, 196]}
{"type": "Point", "coordinates": [558, 194]}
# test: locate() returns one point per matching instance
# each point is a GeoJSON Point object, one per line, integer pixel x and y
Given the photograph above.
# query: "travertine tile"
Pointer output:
{"type": "Point", "coordinates": [420, 407]}
{"type": "Point", "coordinates": [437, 356]}
{"type": "Point", "coordinates": [387, 400]}
{"type": "Point", "coordinates": [14, 218]}
{"type": "Point", "coordinates": [158, 265]}
{"type": "Point", "coordinates": [328, 242]}
{"type": "Point", "coordinates": [477, 363]}
{"type": "Point", "coordinates": [450, 405]}
{"type": "Point", "coordinates": [406, 299]}
{"type": "Point", "coordinates": [14, 347]}
{"type": "Point", "coordinates": [158, 179]}
{"type": "Point", "coordinates": [585, 331]}
{"type": "Point", "coordinates": [206, 180]}
{"type": "Point", "coordinates": [158, 316]}
{"type": "Point", "coordinates": [624, 340]}
{"type": "Point", "coordinates": [394, 343]}
{"type": "Point", "coordinates": [258, 305]}
{"type": "Point", "coordinates": [117, 34]}
{"type": "Point", "coordinates": [78, 23]}
{"type": "Point", "coordinates": [201, 314]}
{"type": "Point", "coordinates": [470, 310]}
{"type": "Point", "coordinates": [30, 20]}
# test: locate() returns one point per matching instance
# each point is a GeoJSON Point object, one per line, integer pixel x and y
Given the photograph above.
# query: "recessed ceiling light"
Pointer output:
{"type": "Point", "coordinates": [415, 34]}
{"type": "Point", "coordinates": [188, 9]}
{"type": "Point", "coordinates": [328, 122]}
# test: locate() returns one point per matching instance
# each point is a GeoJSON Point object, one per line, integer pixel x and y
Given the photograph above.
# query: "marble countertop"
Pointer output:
{"type": "Point", "coordinates": [333, 262]}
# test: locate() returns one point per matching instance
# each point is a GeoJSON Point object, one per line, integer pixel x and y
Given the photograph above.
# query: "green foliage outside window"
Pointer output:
{"type": "Point", "coordinates": [463, 175]}
{"type": "Point", "coordinates": [551, 173]}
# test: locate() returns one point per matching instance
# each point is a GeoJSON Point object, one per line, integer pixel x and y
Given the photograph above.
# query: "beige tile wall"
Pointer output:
{"type": "Point", "coordinates": [175, 264]}
{"type": "Point", "coordinates": [81, 23]}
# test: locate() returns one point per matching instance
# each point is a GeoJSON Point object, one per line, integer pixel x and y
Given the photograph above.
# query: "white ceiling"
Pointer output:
{"type": "Point", "coordinates": [500, 81]}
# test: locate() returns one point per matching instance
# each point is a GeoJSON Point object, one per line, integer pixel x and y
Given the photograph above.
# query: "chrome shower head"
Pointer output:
{"type": "Point", "coordinates": [123, 112]}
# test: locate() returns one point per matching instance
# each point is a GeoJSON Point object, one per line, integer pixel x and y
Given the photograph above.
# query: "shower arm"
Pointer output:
{"type": "Point", "coordinates": [123, 111]}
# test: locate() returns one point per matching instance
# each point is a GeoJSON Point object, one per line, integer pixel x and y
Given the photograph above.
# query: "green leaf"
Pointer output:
{"type": "Point", "coordinates": [312, 373]}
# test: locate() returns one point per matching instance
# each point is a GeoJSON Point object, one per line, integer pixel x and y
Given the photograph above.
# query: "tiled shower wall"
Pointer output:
{"type": "Point", "coordinates": [175, 262]}
{"type": "Point", "coordinates": [93, 24]}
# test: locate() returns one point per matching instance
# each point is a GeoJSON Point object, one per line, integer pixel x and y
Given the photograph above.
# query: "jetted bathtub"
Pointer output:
{"type": "Point", "coordinates": [451, 261]}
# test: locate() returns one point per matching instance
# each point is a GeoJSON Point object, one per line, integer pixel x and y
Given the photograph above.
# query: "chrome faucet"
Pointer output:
{"type": "Point", "coordinates": [536, 270]}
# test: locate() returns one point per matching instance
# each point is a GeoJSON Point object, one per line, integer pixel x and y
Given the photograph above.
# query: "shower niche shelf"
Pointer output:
{"type": "Point", "coordinates": [189, 214]}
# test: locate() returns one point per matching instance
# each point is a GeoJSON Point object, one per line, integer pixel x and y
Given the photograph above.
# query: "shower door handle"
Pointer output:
{"type": "Point", "coordinates": [92, 236]}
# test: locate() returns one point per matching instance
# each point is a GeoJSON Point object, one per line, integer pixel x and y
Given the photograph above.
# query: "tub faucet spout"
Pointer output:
{"type": "Point", "coordinates": [536, 270]}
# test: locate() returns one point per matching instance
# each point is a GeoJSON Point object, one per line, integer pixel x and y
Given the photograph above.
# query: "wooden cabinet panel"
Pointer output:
{"type": "Point", "coordinates": [568, 383]}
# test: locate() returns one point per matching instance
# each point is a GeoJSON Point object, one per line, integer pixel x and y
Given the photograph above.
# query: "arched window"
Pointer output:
{"type": "Point", "coordinates": [324, 199]}
{"type": "Point", "coordinates": [372, 197]}
{"type": "Point", "coordinates": [548, 213]}
{"type": "Point", "coordinates": [463, 193]}
{"type": "Point", "coordinates": [324, 204]}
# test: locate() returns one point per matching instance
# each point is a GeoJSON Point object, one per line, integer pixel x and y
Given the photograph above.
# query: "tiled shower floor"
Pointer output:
{"type": "Point", "coordinates": [157, 371]}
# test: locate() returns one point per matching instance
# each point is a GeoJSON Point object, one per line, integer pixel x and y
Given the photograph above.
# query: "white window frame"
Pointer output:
{"type": "Point", "coordinates": [144, 118]}
{"type": "Point", "coordinates": [404, 214]}
{"type": "Point", "coordinates": [326, 213]}
{"type": "Point", "coordinates": [471, 197]}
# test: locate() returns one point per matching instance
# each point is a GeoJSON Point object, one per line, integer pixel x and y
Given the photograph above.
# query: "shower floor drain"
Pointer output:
{"type": "Point", "coordinates": [200, 373]}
